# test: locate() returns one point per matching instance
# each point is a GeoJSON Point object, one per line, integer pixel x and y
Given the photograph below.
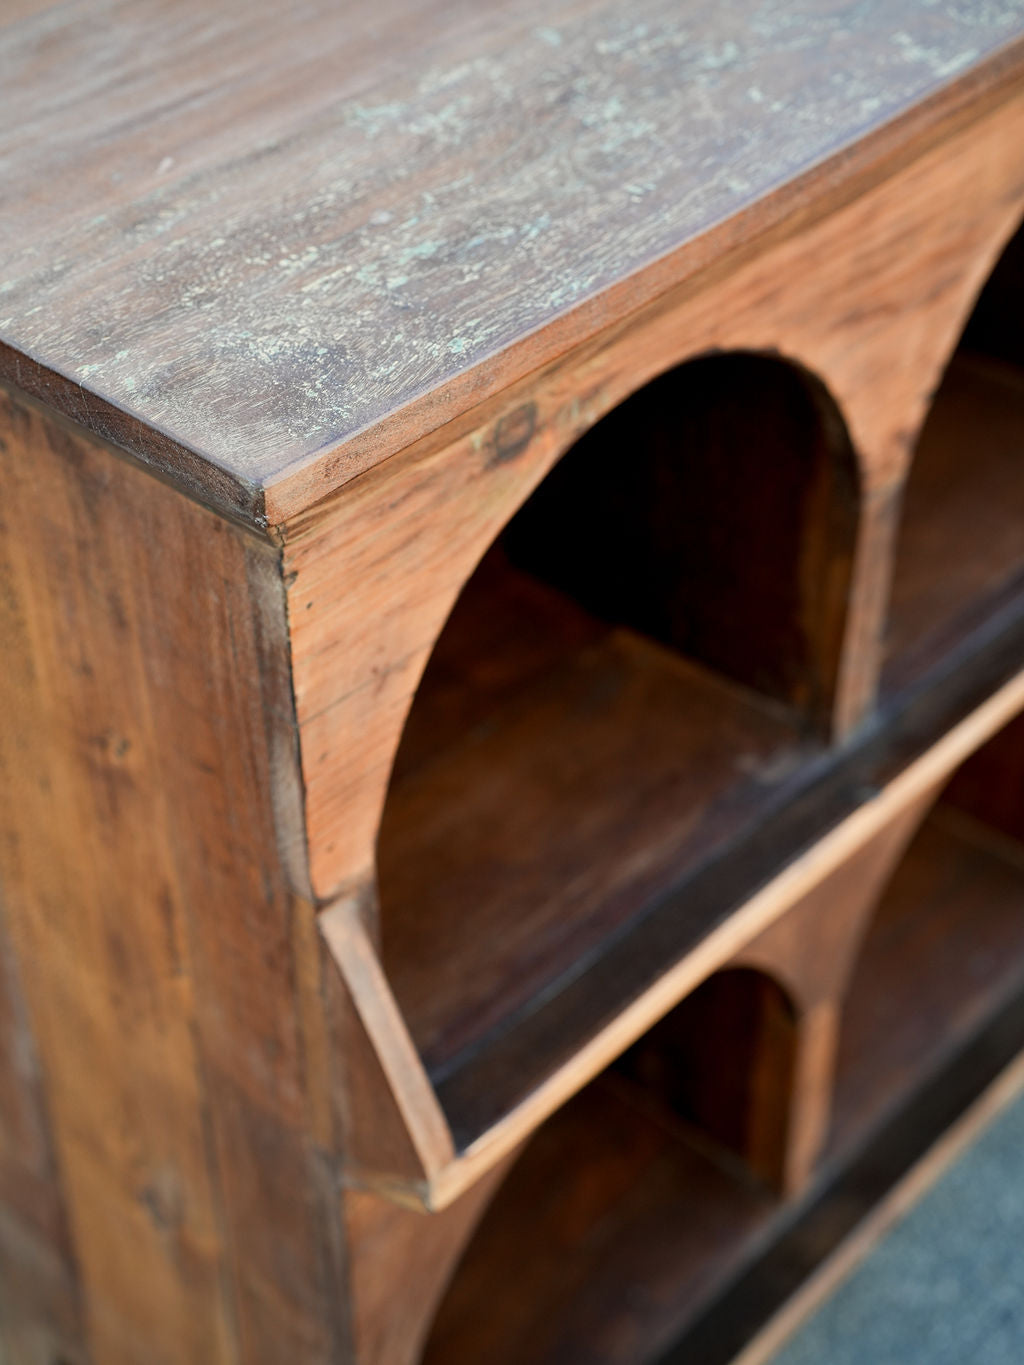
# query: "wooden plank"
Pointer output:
{"type": "Point", "coordinates": [379, 211]}
{"type": "Point", "coordinates": [150, 866]}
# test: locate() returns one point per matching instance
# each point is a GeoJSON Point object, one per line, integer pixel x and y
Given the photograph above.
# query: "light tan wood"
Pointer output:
{"type": "Point", "coordinates": [402, 1077]}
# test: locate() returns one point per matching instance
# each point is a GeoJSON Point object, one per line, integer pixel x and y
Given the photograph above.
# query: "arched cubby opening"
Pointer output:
{"type": "Point", "coordinates": [627, 1209]}
{"type": "Point", "coordinates": [959, 567]}
{"type": "Point", "coordinates": [641, 664]}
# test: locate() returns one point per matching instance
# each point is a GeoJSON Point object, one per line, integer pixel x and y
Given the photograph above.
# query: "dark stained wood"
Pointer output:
{"type": "Point", "coordinates": [373, 572]}
{"type": "Point", "coordinates": [729, 531]}
{"type": "Point", "coordinates": [615, 1222]}
{"type": "Point", "coordinates": [482, 1086]}
{"type": "Point", "coordinates": [855, 1203]}
{"type": "Point", "coordinates": [944, 954]}
{"type": "Point", "coordinates": [990, 784]}
{"type": "Point", "coordinates": [358, 279]}
{"type": "Point", "coordinates": [809, 952]}
{"type": "Point", "coordinates": [960, 553]}
{"type": "Point", "coordinates": [251, 243]}
{"type": "Point", "coordinates": [738, 1091]}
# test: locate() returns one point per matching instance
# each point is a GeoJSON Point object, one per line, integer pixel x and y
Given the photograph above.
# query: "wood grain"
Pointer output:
{"type": "Point", "coordinates": [269, 247]}
{"type": "Point", "coordinates": [374, 572]}
{"type": "Point", "coordinates": [315, 907]}
{"type": "Point", "coordinates": [515, 854]}
{"type": "Point", "coordinates": [148, 863]}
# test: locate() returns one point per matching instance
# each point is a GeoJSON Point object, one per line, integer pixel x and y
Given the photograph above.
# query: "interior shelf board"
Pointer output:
{"type": "Point", "coordinates": [551, 789]}
{"type": "Point", "coordinates": [478, 1087]}
{"type": "Point", "coordinates": [961, 546]}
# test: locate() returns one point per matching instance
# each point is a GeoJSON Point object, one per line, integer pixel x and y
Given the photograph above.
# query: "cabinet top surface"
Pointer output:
{"type": "Point", "coordinates": [287, 239]}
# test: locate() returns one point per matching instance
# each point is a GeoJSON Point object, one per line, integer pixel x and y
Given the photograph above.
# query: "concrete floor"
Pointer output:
{"type": "Point", "coordinates": [945, 1286]}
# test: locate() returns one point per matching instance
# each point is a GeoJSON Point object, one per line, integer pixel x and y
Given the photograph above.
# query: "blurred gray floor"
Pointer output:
{"type": "Point", "coordinates": [946, 1285]}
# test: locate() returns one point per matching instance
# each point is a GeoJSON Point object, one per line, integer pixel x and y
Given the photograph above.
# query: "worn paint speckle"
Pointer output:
{"type": "Point", "coordinates": [265, 278]}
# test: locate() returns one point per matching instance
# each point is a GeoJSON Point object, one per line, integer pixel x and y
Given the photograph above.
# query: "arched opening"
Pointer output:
{"type": "Point", "coordinates": [937, 996]}
{"type": "Point", "coordinates": [627, 1212]}
{"type": "Point", "coordinates": [959, 565]}
{"type": "Point", "coordinates": [644, 660]}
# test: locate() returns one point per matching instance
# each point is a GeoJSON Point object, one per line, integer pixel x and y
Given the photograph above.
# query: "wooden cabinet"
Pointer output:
{"type": "Point", "coordinates": [511, 563]}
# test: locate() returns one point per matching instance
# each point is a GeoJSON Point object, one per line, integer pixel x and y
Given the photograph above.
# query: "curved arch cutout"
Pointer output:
{"type": "Point", "coordinates": [960, 548]}
{"type": "Point", "coordinates": [716, 511]}
{"type": "Point", "coordinates": [572, 743]}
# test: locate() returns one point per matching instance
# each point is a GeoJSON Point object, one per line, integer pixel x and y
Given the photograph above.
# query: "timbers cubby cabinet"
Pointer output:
{"type": "Point", "coordinates": [512, 598]}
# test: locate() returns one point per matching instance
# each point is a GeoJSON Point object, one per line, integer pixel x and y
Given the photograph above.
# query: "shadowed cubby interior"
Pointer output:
{"type": "Point", "coordinates": [640, 666]}
{"type": "Point", "coordinates": [626, 1219]}
{"type": "Point", "coordinates": [959, 564]}
{"type": "Point", "coordinates": [624, 1211]}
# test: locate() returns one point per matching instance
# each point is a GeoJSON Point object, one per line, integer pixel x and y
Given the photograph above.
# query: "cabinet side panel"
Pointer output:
{"type": "Point", "coordinates": [150, 875]}
{"type": "Point", "coordinates": [40, 1318]}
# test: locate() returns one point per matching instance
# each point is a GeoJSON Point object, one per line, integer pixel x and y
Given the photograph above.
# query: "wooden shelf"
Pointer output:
{"type": "Point", "coordinates": [618, 1225]}
{"type": "Point", "coordinates": [591, 769]}
{"type": "Point", "coordinates": [960, 555]}
{"type": "Point", "coordinates": [624, 1228]}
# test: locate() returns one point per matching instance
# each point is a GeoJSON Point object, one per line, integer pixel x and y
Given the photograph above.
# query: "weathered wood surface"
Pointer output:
{"type": "Point", "coordinates": [247, 239]}
{"type": "Point", "coordinates": [40, 1304]}
{"type": "Point", "coordinates": [151, 886]}
{"type": "Point", "coordinates": [871, 300]}
{"type": "Point", "coordinates": [268, 251]}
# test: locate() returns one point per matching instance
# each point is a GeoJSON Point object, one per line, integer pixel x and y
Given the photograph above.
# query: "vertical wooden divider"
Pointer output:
{"type": "Point", "coordinates": [811, 951]}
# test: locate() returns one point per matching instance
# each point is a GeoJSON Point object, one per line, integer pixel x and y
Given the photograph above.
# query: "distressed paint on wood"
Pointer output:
{"type": "Point", "coordinates": [246, 235]}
